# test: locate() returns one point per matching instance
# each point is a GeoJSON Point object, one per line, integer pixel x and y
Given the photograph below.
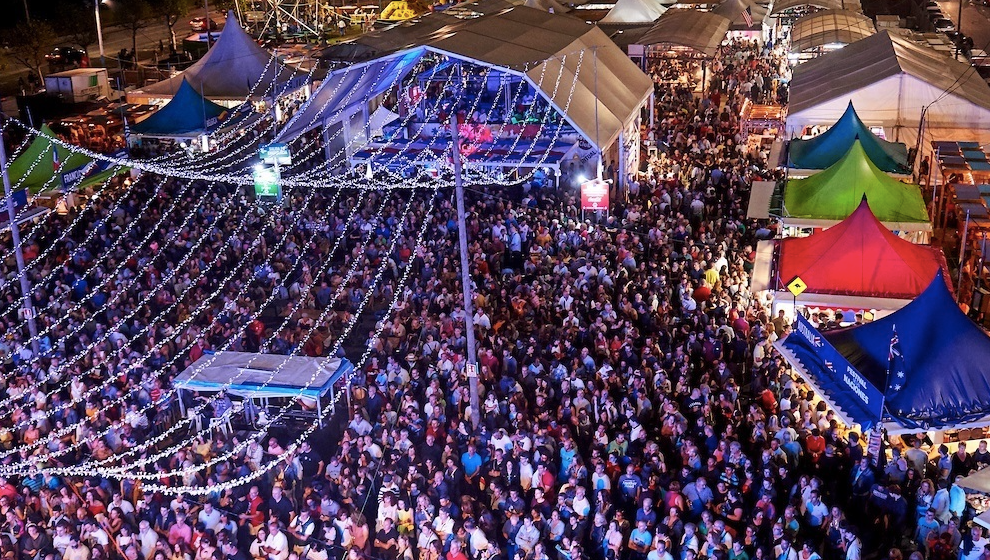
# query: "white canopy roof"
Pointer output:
{"type": "Point", "coordinates": [829, 27]}
{"type": "Point", "coordinates": [634, 11]}
{"type": "Point", "coordinates": [229, 70]}
{"type": "Point", "coordinates": [890, 80]}
{"type": "Point", "coordinates": [523, 41]}
{"type": "Point", "coordinates": [694, 29]}
{"type": "Point", "coordinates": [784, 5]}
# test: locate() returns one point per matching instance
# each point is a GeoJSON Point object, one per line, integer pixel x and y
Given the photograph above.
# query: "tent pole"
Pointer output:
{"type": "Point", "coordinates": [962, 255]}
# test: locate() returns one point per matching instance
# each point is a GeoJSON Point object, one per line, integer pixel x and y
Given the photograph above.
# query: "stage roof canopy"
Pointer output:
{"type": "Point", "coordinates": [601, 88]}
{"type": "Point", "coordinates": [250, 375]}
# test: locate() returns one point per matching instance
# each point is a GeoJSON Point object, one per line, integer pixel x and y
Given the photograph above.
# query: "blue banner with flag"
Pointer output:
{"type": "Point", "coordinates": [72, 178]}
{"type": "Point", "coordinates": [896, 367]}
{"type": "Point", "coordinates": [847, 389]}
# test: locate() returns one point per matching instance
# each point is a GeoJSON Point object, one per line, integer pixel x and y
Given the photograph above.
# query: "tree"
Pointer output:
{"type": "Point", "coordinates": [172, 11]}
{"type": "Point", "coordinates": [77, 24]}
{"type": "Point", "coordinates": [28, 43]}
{"type": "Point", "coordinates": [133, 15]}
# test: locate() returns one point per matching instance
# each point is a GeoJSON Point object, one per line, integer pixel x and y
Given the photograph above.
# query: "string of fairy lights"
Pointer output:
{"type": "Point", "coordinates": [181, 195]}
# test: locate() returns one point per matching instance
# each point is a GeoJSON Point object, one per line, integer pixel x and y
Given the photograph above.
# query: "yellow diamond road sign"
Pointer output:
{"type": "Point", "coordinates": [797, 286]}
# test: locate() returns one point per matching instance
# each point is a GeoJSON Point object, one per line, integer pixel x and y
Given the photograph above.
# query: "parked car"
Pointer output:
{"type": "Point", "coordinates": [67, 56]}
{"type": "Point", "coordinates": [200, 24]}
{"type": "Point", "coordinates": [943, 25]}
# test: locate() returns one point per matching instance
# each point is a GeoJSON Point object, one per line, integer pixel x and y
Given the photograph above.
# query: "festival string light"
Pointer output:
{"type": "Point", "coordinates": [91, 233]}
{"type": "Point", "coordinates": [275, 372]}
{"type": "Point", "coordinates": [245, 323]}
{"type": "Point", "coordinates": [271, 464]}
{"type": "Point", "coordinates": [62, 367]}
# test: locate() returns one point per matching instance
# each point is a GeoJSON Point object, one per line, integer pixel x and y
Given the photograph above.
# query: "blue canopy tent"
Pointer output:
{"type": "Point", "coordinates": [186, 114]}
{"type": "Point", "coordinates": [828, 147]}
{"type": "Point", "coordinates": [940, 379]}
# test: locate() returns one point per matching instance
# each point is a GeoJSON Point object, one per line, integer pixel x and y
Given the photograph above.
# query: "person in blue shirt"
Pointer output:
{"type": "Point", "coordinates": [567, 453]}
{"type": "Point", "coordinates": [471, 462]}
{"type": "Point", "coordinates": [640, 541]}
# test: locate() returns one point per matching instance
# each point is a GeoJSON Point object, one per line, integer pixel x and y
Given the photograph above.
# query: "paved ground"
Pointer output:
{"type": "Point", "coordinates": [975, 20]}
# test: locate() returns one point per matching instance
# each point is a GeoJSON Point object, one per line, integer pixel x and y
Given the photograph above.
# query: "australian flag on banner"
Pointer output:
{"type": "Point", "coordinates": [896, 366]}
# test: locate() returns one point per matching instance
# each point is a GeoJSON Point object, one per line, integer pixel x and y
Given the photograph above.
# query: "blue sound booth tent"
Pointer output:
{"type": "Point", "coordinates": [250, 376]}
{"type": "Point", "coordinates": [939, 381]}
{"type": "Point", "coordinates": [188, 114]}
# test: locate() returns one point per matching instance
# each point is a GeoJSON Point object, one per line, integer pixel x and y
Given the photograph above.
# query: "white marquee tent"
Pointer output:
{"type": "Point", "coordinates": [229, 71]}
{"type": "Point", "coordinates": [603, 89]}
{"type": "Point", "coordinates": [890, 80]}
{"type": "Point", "coordinates": [632, 12]}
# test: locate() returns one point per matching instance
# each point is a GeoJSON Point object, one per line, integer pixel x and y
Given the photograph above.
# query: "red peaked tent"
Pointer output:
{"type": "Point", "coordinates": [860, 257]}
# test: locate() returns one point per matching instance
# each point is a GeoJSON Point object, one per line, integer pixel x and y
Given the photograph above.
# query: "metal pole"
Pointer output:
{"type": "Point", "coordinates": [206, 5]}
{"type": "Point", "coordinates": [601, 156]}
{"type": "Point", "coordinates": [958, 30]}
{"type": "Point", "coordinates": [15, 233]}
{"type": "Point", "coordinates": [962, 254]}
{"type": "Point", "coordinates": [472, 355]}
{"type": "Point", "coordinates": [99, 31]}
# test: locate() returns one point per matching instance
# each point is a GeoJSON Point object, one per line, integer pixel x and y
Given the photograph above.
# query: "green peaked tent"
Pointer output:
{"type": "Point", "coordinates": [46, 165]}
{"type": "Point", "coordinates": [829, 197]}
{"type": "Point", "coordinates": [828, 147]}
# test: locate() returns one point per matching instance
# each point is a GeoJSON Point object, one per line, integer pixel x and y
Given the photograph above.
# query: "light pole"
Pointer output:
{"type": "Point", "coordinates": [15, 234]}
{"type": "Point", "coordinates": [471, 368]}
{"type": "Point", "coordinates": [99, 31]}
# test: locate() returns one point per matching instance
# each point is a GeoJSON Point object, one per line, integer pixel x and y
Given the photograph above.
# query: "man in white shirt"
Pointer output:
{"type": "Point", "coordinates": [148, 539]}
{"type": "Point", "coordinates": [209, 516]}
{"type": "Point", "coordinates": [277, 544]}
{"type": "Point", "coordinates": [61, 539]}
{"type": "Point", "coordinates": [973, 545]}
{"type": "Point", "coordinates": [854, 547]}
{"type": "Point", "coordinates": [477, 541]}
{"type": "Point", "coordinates": [659, 551]}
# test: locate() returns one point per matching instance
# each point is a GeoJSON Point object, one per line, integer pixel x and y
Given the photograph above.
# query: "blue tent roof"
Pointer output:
{"type": "Point", "coordinates": [186, 113]}
{"type": "Point", "coordinates": [946, 360]}
{"type": "Point", "coordinates": [827, 148]}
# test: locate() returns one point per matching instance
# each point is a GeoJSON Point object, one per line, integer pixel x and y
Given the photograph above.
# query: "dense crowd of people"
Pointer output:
{"type": "Point", "coordinates": [632, 406]}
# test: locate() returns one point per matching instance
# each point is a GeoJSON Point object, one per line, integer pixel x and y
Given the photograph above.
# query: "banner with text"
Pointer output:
{"type": "Point", "coordinates": [594, 195]}
{"type": "Point", "coordinates": [832, 372]}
